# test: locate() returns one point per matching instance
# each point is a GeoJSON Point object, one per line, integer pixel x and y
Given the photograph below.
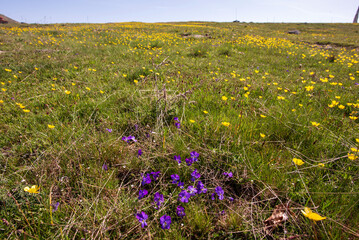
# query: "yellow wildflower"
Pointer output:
{"type": "Point", "coordinates": [192, 121]}
{"type": "Point", "coordinates": [352, 156]}
{"type": "Point", "coordinates": [309, 88]}
{"type": "Point", "coordinates": [320, 164]}
{"type": "Point", "coordinates": [224, 98]}
{"type": "Point", "coordinates": [226, 124]}
{"type": "Point", "coordinates": [313, 216]}
{"type": "Point", "coordinates": [33, 189]}
{"type": "Point", "coordinates": [315, 124]}
{"type": "Point", "coordinates": [298, 161]}
{"type": "Point", "coordinates": [262, 135]}
{"type": "Point", "coordinates": [67, 92]}
{"type": "Point", "coordinates": [205, 112]}
{"type": "Point", "coordinates": [50, 126]}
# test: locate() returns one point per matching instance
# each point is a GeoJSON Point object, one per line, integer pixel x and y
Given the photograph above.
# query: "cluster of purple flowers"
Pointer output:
{"type": "Point", "coordinates": [146, 178]}
{"type": "Point", "coordinates": [193, 158]}
{"type": "Point", "coordinates": [129, 138]}
{"type": "Point", "coordinates": [184, 195]}
{"type": "Point", "coordinates": [219, 191]}
{"type": "Point", "coordinates": [177, 122]}
{"type": "Point", "coordinates": [195, 174]}
{"type": "Point", "coordinates": [165, 220]}
{"type": "Point", "coordinates": [176, 180]}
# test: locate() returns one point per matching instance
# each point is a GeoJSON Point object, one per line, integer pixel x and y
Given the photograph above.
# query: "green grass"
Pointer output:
{"type": "Point", "coordinates": [135, 78]}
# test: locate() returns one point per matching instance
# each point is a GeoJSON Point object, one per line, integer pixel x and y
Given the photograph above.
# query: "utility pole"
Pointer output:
{"type": "Point", "coordinates": [356, 16]}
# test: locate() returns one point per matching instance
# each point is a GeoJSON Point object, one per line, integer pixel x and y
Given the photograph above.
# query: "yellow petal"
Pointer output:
{"type": "Point", "coordinates": [315, 216]}
{"type": "Point", "coordinates": [298, 161]}
{"type": "Point", "coordinates": [226, 124]}
{"type": "Point", "coordinates": [320, 164]}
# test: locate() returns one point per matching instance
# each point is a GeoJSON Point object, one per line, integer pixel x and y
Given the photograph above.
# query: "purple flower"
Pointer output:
{"type": "Point", "coordinates": [194, 158]}
{"type": "Point", "coordinates": [183, 196]}
{"type": "Point", "coordinates": [146, 179]}
{"type": "Point", "coordinates": [155, 175]}
{"type": "Point", "coordinates": [55, 206]}
{"type": "Point", "coordinates": [142, 194]}
{"type": "Point", "coordinates": [213, 196]}
{"type": "Point", "coordinates": [175, 178]}
{"type": "Point", "coordinates": [180, 184]}
{"type": "Point", "coordinates": [189, 161]}
{"type": "Point", "coordinates": [229, 175]}
{"type": "Point", "coordinates": [192, 190]}
{"type": "Point", "coordinates": [201, 188]}
{"type": "Point", "coordinates": [139, 154]}
{"type": "Point", "coordinates": [195, 175]}
{"type": "Point", "coordinates": [127, 139]}
{"type": "Point", "coordinates": [165, 222]}
{"type": "Point", "coordinates": [109, 130]}
{"type": "Point", "coordinates": [194, 155]}
{"type": "Point", "coordinates": [177, 158]}
{"type": "Point", "coordinates": [219, 191]}
{"type": "Point", "coordinates": [104, 167]}
{"type": "Point", "coordinates": [180, 211]}
{"type": "Point", "coordinates": [142, 217]}
{"type": "Point", "coordinates": [158, 199]}
{"type": "Point", "coordinates": [177, 122]}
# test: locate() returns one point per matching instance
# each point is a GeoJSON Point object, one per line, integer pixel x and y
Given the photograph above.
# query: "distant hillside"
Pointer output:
{"type": "Point", "coordinates": [9, 20]}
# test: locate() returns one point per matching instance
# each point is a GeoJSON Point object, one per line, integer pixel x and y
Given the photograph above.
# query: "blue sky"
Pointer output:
{"type": "Point", "coordinates": [102, 11]}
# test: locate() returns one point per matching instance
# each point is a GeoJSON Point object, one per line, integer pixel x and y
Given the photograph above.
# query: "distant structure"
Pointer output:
{"type": "Point", "coordinates": [6, 20]}
{"type": "Point", "coordinates": [356, 16]}
{"type": "Point", "coordinates": [3, 21]}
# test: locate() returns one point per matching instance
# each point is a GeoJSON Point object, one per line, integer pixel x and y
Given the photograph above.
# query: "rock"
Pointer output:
{"type": "Point", "coordinates": [294, 32]}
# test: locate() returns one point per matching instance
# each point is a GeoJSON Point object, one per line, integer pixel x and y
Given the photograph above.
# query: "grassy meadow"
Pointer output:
{"type": "Point", "coordinates": [186, 130]}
